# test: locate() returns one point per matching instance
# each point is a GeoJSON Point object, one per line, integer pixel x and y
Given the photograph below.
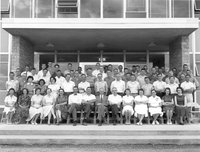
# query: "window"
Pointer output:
{"type": "Point", "coordinates": [113, 9]}
{"type": "Point", "coordinates": [141, 58]}
{"type": "Point", "coordinates": [44, 8]}
{"type": "Point", "coordinates": [3, 40]}
{"type": "Point", "coordinates": [89, 57]}
{"type": "Point", "coordinates": [67, 8]}
{"type": "Point", "coordinates": [197, 5]}
{"type": "Point", "coordinates": [67, 58]}
{"type": "Point", "coordinates": [159, 8]}
{"type": "Point", "coordinates": [44, 59]}
{"type": "Point", "coordinates": [136, 9]}
{"type": "Point", "coordinates": [90, 8]}
{"type": "Point", "coordinates": [181, 8]}
{"type": "Point", "coordinates": [4, 5]}
{"type": "Point", "coordinates": [22, 8]}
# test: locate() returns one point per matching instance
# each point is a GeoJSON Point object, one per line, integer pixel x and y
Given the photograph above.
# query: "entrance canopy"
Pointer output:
{"type": "Point", "coordinates": [87, 34]}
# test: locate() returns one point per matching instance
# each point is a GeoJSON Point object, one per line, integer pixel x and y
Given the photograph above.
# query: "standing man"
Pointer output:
{"type": "Point", "coordinates": [141, 77]}
{"type": "Point", "coordinates": [114, 101]}
{"type": "Point", "coordinates": [147, 87]}
{"type": "Point", "coordinates": [109, 79]}
{"type": "Point", "coordinates": [12, 83]}
{"type": "Point", "coordinates": [100, 84]}
{"type": "Point", "coordinates": [74, 102]}
{"type": "Point", "coordinates": [119, 84]}
{"type": "Point", "coordinates": [59, 78]}
{"type": "Point", "coordinates": [69, 68]}
{"type": "Point", "coordinates": [133, 85]}
{"type": "Point", "coordinates": [41, 72]}
{"type": "Point", "coordinates": [91, 79]}
{"type": "Point", "coordinates": [27, 71]}
{"type": "Point", "coordinates": [159, 86]}
{"type": "Point", "coordinates": [83, 84]}
{"type": "Point", "coordinates": [97, 70]}
{"type": "Point", "coordinates": [68, 85]}
{"type": "Point", "coordinates": [76, 79]}
{"type": "Point", "coordinates": [87, 105]}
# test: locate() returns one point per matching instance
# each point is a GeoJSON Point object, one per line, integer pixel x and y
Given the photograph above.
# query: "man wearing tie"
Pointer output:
{"type": "Point", "coordinates": [101, 105]}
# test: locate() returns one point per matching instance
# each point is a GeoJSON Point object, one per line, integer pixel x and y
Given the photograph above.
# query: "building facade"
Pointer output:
{"type": "Point", "coordinates": [153, 32]}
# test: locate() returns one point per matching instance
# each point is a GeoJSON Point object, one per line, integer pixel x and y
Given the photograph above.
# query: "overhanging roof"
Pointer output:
{"type": "Point", "coordinates": [4, 5]}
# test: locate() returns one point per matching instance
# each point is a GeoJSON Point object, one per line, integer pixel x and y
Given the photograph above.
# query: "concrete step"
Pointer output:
{"type": "Point", "coordinates": [63, 139]}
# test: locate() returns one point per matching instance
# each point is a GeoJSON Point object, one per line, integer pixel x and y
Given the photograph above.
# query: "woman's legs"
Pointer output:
{"type": "Point", "coordinates": [129, 117]}
{"type": "Point", "coordinates": [58, 115]}
{"type": "Point", "coordinates": [11, 115]}
{"type": "Point", "coordinates": [36, 117]}
{"type": "Point", "coordinates": [141, 118]}
{"type": "Point", "coordinates": [126, 116]}
{"type": "Point", "coordinates": [49, 118]}
{"type": "Point", "coordinates": [170, 116]}
{"type": "Point", "coordinates": [155, 117]}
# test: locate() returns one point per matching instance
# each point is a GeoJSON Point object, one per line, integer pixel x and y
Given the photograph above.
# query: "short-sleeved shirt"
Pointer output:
{"type": "Point", "coordinates": [10, 100]}
{"type": "Point", "coordinates": [101, 84]}
{"type": "Point", "coordinates": [84, 85]}
{"type": "Point", "coordinates": [75, 98]}
{"type": "Point", "coordinates": [68, 86]}
{"type": "Point", "coordinates": [120, 85]}
{"type": "Point", "coordinates": [147, 89]}
{"type": "Point", "coordinates": [12, 84]}
{"type": "Point", "coordinates": [172, 87]}
{"type": "Point", "coordinates": [114, 99]}
{"type": "Point", "coordinates": [154, 101]}
{"type": "Point", "coordinates": [134, 86]}
{"type": "Point", "coordinates": [159, 85]}
{"type": "Point", "coordinates": [87, 97]}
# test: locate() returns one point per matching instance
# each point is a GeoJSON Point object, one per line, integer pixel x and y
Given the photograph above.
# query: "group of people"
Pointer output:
{"type": "Point", "coordinates": [137, 91]}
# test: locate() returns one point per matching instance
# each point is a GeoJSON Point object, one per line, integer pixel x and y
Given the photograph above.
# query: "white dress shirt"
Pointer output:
{"type": "Point", "coordinates": [159, 85]}
{"type": "Point", "coordinates": [114, 99]}
{"type": "Point", "coordinates": [84, 85]}
{"type": "Point", "coordinates": [60, 80]}
{"type": "Point", "coordinates": [120, 85]}
{"type": "Point", "coordinates": [134, 86]}
{"type": "Point", "coordinates": [68, 86]}
{"type": "Point", "coordinates": [75, 98]}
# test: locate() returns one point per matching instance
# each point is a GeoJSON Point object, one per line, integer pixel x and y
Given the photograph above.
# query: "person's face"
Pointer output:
{"type": "Point", "coordinates": [61, 92]}
{"type": "Point", "coordinates": [185, 67]}
{"type": "Point", "coordinates": [110, 67]}
{"type": "Point", "coordinates": [12, 76]}
{"type": "Point", "coordinates": [187, 78]}
{"type": "Point", "coordinates": [126, 71]}
{"type": "Point", "coordinates": [101, 69]}
{"type": "Point", "coordinates": [88, 91]}
{"type": "Point", "coordinates": [58, 73]}
{"type": "Point", "coordinates": [99, 76]}
{"type": "Point", "coordinates": [26, 68]}
{"type": "Point", "coordinates": [76, 73]}
{"type": "Point", "coordinates": [147, 80]}
{"type": "Point", "coordinates": [41, 83]}
{"type": "Point", "coordinates": [83, 77]}
{"type": "Point", "coordinates": [171, 80]}
{"type": "Point", "coordinates": [118, 76]}
{"type": "Point", "coordinates": [11, 92]}
{"type": "Point", "coordinates": [18, 72]}
{"type": "Point", "coordinates": [114, 91]}
{"type": "Point", "coordinates": [45, 72]}
{"type": "Point", "coordinates": [141, 92]}
{"type": "Point", "coordinates": [167, 92]}
{"type": "Point", "coordinates": [159, 77]}
{"type": "Point", "coordinates": [133, 68]}
{"type": "Point", "coordinates": [179, 91]}
{"type": "Point", "coordinates": [128, 76]}
{"type": "Point", "coordinates": [80, 69]}
{"type": "Point", "coordinates": [97, 66]}
{"type": "Point", "coordinates": [56, 67]}
{"type": "Point", "coordinates": [30, 80]}
{"type": "Point", "coordinates": [52, 81]}
{"type": "Point", "coordinates": [133, 78]}
{"type": "Point", "coordinates": [43, 66]}
{"type": "Point", "coordinates": [50, 64]}
{"type": "Point", "coordinates": [67, 77]}
{"type": "Point", "coordinates": [127, 92]}
{"type": "Point", "coordinates": [25, 92]}
{"type": "Point", "coordinates": [153, 70]}
{"type": "Point", "coordinates": [115, 71]}
{"type": "Point", "coordinates": [69, 66]}
{"type": "Point", "coordinates": [153, 93]}
{"type": "Point", "coordinates": [120, 68]}
{"type": "Point", "coordinates": [33, 72]}
{"type": "Point", "coordinates": [182, 76]}
{"type": "Point", "coordinates": [89, 72]}
{"type": "Point", "coordinates": [109, 73]}
{"type": "Point", "coordinates": [75, 90]}
{"type": "Point", "coordinates": [48, 91]}
{"type": "Point", "coordinates": [143, 72]}
{"type": "Point", "coordinates": [38, 92]}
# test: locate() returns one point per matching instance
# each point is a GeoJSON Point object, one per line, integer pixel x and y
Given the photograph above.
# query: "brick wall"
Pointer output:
{"type": "Point", "coordinates": [179, 52]}
{"type": "Point", "coordinates": [22, 53]}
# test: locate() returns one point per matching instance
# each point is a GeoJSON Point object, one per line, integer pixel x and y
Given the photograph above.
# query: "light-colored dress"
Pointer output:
{"type": "Point", "coordinates": [54, 88]}
{"type": "Point", "coordinates": [36, 108]}
{"type": "Point", "coordinates": [155, 102]}
{"type": "Point", "coordinates": [141, 108]}
{"type": "Point", "coordinates": [128, 101]}
{"type": "Point", "coordinates": [48, 100]}
{"type": "Point", "coordinates": [10, 102]}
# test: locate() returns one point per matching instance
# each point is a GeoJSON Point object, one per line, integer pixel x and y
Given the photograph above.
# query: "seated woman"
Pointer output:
{"type": "Point", "coordinates": [30, 86]}
{"type": "Point", "coordinates": [42, 86]}
{"type": "Point", "coordinates": [10, 101]}
{"type": "Point", "coordinates": [155, 109]}
{"type": "Point", "coordinates": [48, 106]}
{"type": "Point", "coordinates": [141, 110]}
{"type": "Point", "coordinates": [22, 110]}
{"type": "Point", "coordinates": [168, 105]}
{"type": "Point", "coordinates": [61, 106]}
{"type": "Point", "coordinates": [128, 106]}
{"type": "Point", "coordinates": [36, 107]}
{"type": "Point", "coordinates": [101, 105]}
{"type": "Point", "coordinates": [180, 103]}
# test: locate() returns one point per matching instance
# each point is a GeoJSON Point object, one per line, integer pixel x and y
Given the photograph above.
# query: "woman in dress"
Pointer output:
{"type": "Point", "coordinates": [61, 106]}
{"type": "Point", "coordinates": [30, 86]}
{"type": "Point", "coordinates": [141, 110]}
{"type": "Point", "coordinates": [42, 86]}
{"type": "Point", "coordinates": [22, 110]}
{"type": "Point", "coordinates": [36, 107]}
{"type": "Point", "coordinates": [155, 109]}
{"type": "Point", "coordinates": [180, 103]}
{"type": "Point", "coordinates": [128, 106]}
{"type": "Point", "coordinates": [9, 108]}
{"type": "Point", "coordinates": [168, 105]}
{"type": "Point", "coordinates": [54, 87]}
{"type": "Point", "coordinates": [48, 106]}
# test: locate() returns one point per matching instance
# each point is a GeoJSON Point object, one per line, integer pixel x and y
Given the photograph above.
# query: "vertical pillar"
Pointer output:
{"type": "Point", "coordinates": [22, 53]}
{"type": "Point", "coordinates": [179, 52]}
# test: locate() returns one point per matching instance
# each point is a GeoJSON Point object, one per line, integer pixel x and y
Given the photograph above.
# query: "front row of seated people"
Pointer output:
{"type": "Point", "coordinates": [30, 109]}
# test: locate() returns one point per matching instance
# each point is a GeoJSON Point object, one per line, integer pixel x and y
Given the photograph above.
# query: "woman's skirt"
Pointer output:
{"type": "Point", "coordinates": [168, 107]}
{"type": "Point", "coordinates": [155, 110]}
{"type": "Point", "coordinates": [46, 110]}
{"type": "Point", "coordinates": [127, 108]}
{"type": "Point", "coordinates": [63, 109]}
{"type": "Point", "coordinates": [180, 111]}
{"type": "Point", "coordinates": [8, 109]}
{"type": "Point", "coordinates": [33, 111]}
{"type": "Point", "coordinates": [141, 109]}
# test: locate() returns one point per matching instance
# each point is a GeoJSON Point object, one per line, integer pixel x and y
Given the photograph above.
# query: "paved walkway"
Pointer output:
{"type": "Point", "coordinates": [191, 127]}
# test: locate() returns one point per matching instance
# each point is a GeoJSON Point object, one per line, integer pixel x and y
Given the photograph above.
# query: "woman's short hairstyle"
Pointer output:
{"type": "Point", "coordinates": [11, 89]}
{"type": "Point", "coordinates": [140, 90]}
{"type": "Point", "coordinates": [179, 88]}
{"type": "Point", "coordinates": [41, 80]}
{"type": "Point", "coordinates": [25, 89]}
{"type": "Point", "coordinates": [37, 89]}
{"type": "Point", "coordinates": [168, 89]}
{"type": "Point", "coordinates": [53, 78]}
{"type": "Point", "coordinates": [30, 77]}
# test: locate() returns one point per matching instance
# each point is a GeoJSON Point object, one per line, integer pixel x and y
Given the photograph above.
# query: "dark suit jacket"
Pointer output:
{"type": "Point", "coordinates": [104, 100]}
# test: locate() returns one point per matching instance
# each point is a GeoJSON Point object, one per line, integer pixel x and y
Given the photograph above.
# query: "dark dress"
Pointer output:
{"type": "Point", "coordinates": [168, 99]}
{"type": "Point", "coordinates": [62, 108]}
{"type": "Point", "coordinates": [180, 111]}
{"type": "Point", "coordinates": [22, 109]}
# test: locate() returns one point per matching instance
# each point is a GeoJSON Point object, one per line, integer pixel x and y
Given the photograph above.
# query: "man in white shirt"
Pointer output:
{"type": "Point", "coordinates": [27, 71]}
{"type": "Point", "coordinates": [68, 85]}
{"type": "Point", "coordinates": [133, 85]}
{"type": "Point", "coordinates": [12, 83]}
{"type": "Point", "coordinates": [172, 85]}
{"type": "Point", "coordinates": [119, 84]}
{"type": "Point", "coordinates": [141, 77]}
{"type": "Point", "coordinates": [45, 77]}
{"type": "Point", "coordinates": [41, 72]}
{"type": "Point", "coordinates": [74, 102]}
{"type": "Point", "coordinates": [114, 101]}
{"type": "Point", "coordinates": [35, 76]}
{"type": "Point", "coordinates": [159, 86]}
{"type": "Point", "coordinates": [87, 104]}
{"type": "Point", "coordinates": [59, 78]}
{"type": "Point", "coordinates": [97, 70]}
{"type": "Point", "coordinates": [100, 83]}
{"type": "Point", "coordinates": [147, 87]}
{"type": "Point", "coordinates": [69, 68]}
{"type": "Point", "coordinates": [83, 84]}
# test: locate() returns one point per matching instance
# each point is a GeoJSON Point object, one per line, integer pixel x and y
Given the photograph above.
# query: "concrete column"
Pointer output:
{"type": "Point", "coordinates": [22, 53]}
{"type": "Point", "coordinates": [179, 52]}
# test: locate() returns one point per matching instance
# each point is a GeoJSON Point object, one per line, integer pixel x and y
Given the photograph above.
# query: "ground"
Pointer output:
{"type": "Point", "coordinates": [102, 148]}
